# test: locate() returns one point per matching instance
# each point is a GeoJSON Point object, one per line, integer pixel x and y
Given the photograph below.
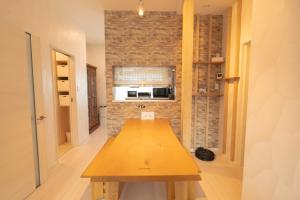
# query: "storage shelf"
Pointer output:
{"type": "Point", "coordinates": [62, 62]}
{"type": "Point", "coordinates": [208, 95]}
{"type": "Point", "coordinates": [207, 63]}
{"type": "Point", "coordinates": [234, 78]}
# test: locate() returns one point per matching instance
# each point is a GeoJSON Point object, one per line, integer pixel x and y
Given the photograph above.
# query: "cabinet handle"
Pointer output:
{"type": "Point", "coordinates": [42, 117]}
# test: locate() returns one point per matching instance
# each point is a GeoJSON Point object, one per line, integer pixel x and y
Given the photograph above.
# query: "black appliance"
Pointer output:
{"type": "Point", "coordinates": [205, 154]}
{"type": "Point", "coordinates": [161, 92]}
{"type": "Point", "coordinates": [132, 94]}
{"type": "Point", "coordinates": [144, 95]}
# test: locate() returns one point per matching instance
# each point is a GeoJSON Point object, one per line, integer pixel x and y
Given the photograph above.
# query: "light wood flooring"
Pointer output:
{"type": "Point", "coordinates": [64, 182]}
{"type": "Point", "coordinates": [221, 180]}
{"type": "Point", "coordinates": [64, 148]}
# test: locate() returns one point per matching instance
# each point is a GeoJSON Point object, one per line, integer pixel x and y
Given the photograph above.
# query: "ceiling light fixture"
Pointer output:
{"type": "Point", "coordinates": [140, 9]}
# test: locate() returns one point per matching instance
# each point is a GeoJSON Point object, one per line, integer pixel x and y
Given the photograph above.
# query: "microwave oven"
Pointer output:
{"type": "Point", "coordinates": [132, 94]}
{"type": "Point", "coordinates": [161, 92]}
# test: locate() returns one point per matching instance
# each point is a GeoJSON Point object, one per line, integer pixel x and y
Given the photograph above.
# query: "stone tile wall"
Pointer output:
{"type": "Point", "coordinates": [155, 40]}
{"type": "Point", "coordinates": [214, 102]}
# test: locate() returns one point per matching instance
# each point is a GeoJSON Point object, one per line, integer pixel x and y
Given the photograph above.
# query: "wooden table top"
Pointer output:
{"type": "Point", "coordinates": [143, 151]}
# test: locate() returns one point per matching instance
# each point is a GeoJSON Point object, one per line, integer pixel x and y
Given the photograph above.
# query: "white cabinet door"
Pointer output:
{"type": "Point", "coordinates": [17, 174]}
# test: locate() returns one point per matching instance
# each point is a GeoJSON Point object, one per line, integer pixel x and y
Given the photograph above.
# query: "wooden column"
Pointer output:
{"type": "Point", "coordinates": [187, 71]}
{"type": "Point", "coordinates": [231, 86]}
{"type": "Point", "coordinates": [185, 190]}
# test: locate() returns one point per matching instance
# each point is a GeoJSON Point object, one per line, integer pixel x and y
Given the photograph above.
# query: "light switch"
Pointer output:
{"type": "Point", "coordinates": [217, 86]}
{"type": "Point", "coordinates": [147, 115]}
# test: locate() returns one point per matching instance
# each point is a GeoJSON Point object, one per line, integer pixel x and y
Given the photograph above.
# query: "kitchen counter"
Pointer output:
{"type": "Point", "coordinates": [144, 100]}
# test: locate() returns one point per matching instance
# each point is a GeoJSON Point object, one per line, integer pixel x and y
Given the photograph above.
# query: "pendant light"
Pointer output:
{"type": "Point", "coordinates": [140, 9]}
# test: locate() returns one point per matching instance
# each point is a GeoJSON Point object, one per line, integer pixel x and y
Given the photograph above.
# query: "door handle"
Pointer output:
{"type": "Point", "coordinates": [42, 117]}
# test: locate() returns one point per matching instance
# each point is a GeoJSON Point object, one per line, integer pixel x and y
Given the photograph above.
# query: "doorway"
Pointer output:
{"type": "Point", "coordinates": [62, 78]}
{"type": "Point", "coordinates": [94, 118]}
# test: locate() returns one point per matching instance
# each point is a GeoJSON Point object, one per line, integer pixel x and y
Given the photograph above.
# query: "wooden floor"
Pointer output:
{"type": "Point", "coordinates": [64, 182]}
{"type": "Point", "coordinates": [220, 179]}
{"type": "Point", "coordinates": [64, 148]}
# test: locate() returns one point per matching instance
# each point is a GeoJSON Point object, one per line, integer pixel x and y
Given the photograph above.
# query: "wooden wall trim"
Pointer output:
{"type": "Point", "coordinates": [236, 73]}
{"type": "Point", "coordinates": [91, 66]}
{"type": "Point", "coordinates": [231, 87]}
{"type": "Point", "coordinates": [187, 71]}
{"type": "Point", "coordinates": [227, 73]}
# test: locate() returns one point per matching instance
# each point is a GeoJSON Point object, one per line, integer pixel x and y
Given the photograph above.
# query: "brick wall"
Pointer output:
{"type": "Point", "coordinates": [214, 102]}
{"type": "Point", "coordinates": [153, 40]}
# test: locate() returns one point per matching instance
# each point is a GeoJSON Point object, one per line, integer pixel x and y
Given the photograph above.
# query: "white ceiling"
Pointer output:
{"type": "Point", "coordinates": [88, 14]}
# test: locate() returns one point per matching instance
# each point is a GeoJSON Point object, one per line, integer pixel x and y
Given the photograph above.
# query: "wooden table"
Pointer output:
{"type": "Point", "coordinates": [143, 151]}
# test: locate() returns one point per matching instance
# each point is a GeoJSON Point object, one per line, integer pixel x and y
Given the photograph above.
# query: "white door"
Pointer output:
{"type": "Point", "coordinates": [17, 163]}
{"type": "Point", "coordinates": [39, 115]}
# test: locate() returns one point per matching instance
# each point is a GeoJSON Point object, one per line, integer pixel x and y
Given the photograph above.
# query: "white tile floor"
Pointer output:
{"type": "Point", "coordinates": [220, 179]}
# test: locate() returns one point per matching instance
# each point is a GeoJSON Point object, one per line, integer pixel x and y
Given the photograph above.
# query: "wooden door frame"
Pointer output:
{"type": "Point", "coordinates": [73, 109]}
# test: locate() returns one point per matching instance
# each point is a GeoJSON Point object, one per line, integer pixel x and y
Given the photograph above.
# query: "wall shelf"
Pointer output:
{"type": "Point", "coordinates": [62, 62]}
{"type": "Point", "coordinates": [207, 95]}
{"type": "Point", "coordinates": [208, 63]}
{"type": "Point", "coordinates": [234, 78]}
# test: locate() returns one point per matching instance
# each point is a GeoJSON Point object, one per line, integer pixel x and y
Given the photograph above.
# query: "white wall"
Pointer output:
{"type": "Point", "coordinates": [95, 54]}
{"type": "Point", "coordinates": [272, 155]}
{"type": "Point", "coordinates": [45, 19]}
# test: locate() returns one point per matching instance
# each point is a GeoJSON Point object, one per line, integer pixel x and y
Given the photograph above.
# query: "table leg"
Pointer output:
{"type": "Point", "coordinates": [192, 190]}
{"type": "Point", "coordinates": [185, 190]}
{"type": "Point", "coordinates": [170, 190]}
{"type": "Point", "coordinates": [97, 190]}
{"type": "Point", "coordinates": [107, 190]}
{"type": "Point", "coordinates": [112, 191]}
